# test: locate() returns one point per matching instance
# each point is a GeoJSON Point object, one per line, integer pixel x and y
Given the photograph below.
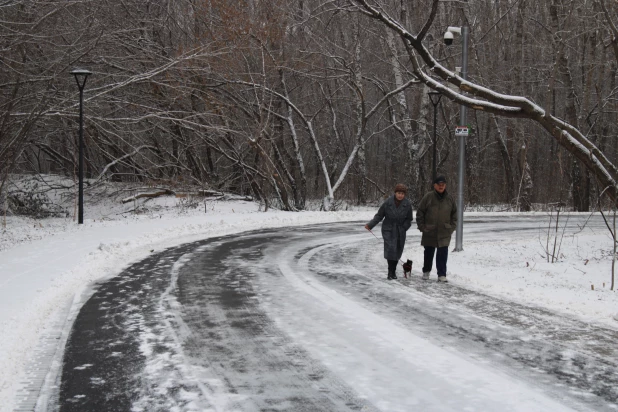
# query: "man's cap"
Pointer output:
{"type": "Point", "coordinates": [439, 179]}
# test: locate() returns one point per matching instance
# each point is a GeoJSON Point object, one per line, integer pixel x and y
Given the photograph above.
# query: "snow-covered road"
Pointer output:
{"type": "Point", "coordinates": [303, 319]}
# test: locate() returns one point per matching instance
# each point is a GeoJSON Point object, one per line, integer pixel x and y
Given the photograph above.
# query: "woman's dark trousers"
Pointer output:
{"type": "Point", "coordinates": [392, 267]}
{"type": "Point", "coordinates": [441, 259]}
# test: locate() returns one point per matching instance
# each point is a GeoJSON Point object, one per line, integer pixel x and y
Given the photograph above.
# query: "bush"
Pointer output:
{"type": "Point", "coordinates": [30, 199]}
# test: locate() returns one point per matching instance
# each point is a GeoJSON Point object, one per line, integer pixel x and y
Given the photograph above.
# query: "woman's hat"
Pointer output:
{"type": "Point", "coordinates": [401, 188]}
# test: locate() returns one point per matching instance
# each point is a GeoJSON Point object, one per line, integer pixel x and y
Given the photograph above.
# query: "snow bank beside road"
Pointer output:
{"type": "Point", "coordinates": [56, 259]}
{"type": "Point", "coordinates": [577, 285]}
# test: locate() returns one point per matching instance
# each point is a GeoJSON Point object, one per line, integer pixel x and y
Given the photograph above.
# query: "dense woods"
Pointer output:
{"type": "Point", "coordinates": [293, 101]}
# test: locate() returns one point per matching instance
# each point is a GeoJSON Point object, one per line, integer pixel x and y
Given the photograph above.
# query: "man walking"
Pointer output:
{"type": "Point", "coordinates": [436, 217]}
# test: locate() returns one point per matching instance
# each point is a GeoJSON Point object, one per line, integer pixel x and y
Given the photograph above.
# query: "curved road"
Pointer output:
{"type": "Point", "coordinates": [301, 319]}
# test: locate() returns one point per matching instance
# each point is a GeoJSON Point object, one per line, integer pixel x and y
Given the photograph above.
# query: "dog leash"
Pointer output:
{"type": "Point", "coordinates": [374, 235]}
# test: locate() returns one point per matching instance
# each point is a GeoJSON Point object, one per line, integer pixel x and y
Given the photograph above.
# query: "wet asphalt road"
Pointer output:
{"type": "Point", "coordinates": [205, 304]}
{"type": "Point", "coordinates": [104, 368]}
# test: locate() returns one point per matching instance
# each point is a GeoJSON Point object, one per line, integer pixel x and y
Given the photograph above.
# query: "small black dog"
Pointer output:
{"type": "Point", "coordinates": [407, 268]}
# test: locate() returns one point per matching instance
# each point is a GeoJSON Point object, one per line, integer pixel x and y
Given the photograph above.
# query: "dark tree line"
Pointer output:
{"type": "Point", "coordinates": [292, 101]}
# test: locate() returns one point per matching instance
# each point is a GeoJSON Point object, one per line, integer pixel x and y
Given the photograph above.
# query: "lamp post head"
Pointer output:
{"type": "Point", "coordinates": [435, 97]}
{"type": "Point", "coordinates": [80, 77]}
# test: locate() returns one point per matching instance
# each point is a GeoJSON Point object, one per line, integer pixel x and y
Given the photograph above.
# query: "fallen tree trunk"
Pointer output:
{"type": "Point", "coordinates": [148, 195]}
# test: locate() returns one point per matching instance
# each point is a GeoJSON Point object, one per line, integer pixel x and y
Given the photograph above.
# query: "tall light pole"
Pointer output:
{"type": "Point", "coordinates": [81, 76]}
{"type": "Point", "coordinates": [464, 31]}
{"type": "Point", "coordinates": [435, 100]}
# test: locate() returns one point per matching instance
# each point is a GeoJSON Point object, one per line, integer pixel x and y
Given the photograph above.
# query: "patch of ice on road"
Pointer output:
{"type": "Point", "coordinates": [97, 381]}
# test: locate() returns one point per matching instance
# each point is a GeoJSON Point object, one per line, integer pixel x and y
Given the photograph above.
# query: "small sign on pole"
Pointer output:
{"type": "Point", "coordinates": [462, 131]}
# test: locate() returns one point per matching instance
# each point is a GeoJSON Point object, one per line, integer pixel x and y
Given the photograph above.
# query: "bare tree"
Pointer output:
{"type": "Point", "coordinates": [478, 97]}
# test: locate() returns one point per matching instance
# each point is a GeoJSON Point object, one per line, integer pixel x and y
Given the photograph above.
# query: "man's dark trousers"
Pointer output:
{"type": "Point", "coordinates": [441, 258]}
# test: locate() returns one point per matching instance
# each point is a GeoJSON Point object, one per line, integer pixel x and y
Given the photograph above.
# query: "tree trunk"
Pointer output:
{"type": "Point", "coordinates": [506, 162]}
{"type": "Point", "coordinates": [402, 113]}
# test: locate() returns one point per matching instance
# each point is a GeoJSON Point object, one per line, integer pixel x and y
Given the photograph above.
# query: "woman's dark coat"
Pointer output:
{"type": "Point", "coordinates": [397, 220]}
{"type": "Point", "coordinates": [436, 217]}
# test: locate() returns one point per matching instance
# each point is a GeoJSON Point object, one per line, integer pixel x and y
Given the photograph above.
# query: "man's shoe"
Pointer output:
{"type": "Point", "coordinates": [425, 275]}
{"type": "Point", "coordinates": [442, 279]}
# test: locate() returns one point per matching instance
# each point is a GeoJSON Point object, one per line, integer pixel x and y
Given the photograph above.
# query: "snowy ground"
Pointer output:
{"type": "Point", "coordinates": [45, 266]}
{"type": "Point", "coordinates": [509, 261]}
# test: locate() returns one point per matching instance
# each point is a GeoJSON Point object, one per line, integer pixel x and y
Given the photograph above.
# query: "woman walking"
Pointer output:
{"type": "Point", "coordinates": [397, 214]}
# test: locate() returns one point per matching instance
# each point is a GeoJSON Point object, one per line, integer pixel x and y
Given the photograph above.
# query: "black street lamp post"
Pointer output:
{"type": "Point", "coordinates": [435, 100]}
{"type": "Point", "coordinates": [81, 76]}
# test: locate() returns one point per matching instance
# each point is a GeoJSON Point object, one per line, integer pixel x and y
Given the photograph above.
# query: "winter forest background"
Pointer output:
{"type": "Point", "coordinates": [293, 101]}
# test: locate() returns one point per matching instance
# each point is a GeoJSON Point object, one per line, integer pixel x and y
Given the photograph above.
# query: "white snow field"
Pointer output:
{"type": "Point", "coordinates": [46, 267]}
